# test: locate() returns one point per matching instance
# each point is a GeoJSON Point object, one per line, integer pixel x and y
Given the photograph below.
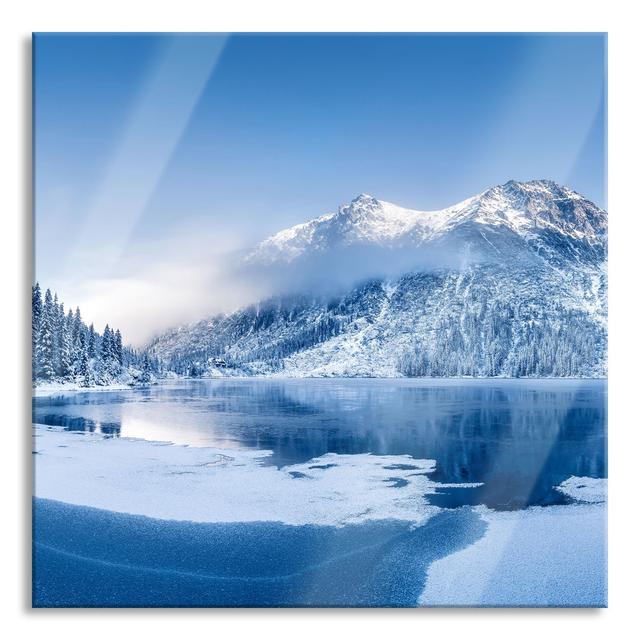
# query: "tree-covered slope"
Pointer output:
{"type": "Point", "coordinates": [509, 283]}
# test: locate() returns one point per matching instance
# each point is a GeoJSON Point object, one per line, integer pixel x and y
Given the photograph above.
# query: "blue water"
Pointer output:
{"type": "Point", "coordinates": [520, 438]}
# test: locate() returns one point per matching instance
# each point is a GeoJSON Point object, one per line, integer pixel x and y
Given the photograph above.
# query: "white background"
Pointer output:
{"type": "Point", "coordinates": [19, 19]}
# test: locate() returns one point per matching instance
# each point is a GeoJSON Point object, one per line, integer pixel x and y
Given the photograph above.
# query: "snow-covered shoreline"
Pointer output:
{"type": "Point", "coordinates": [54, 388]}
{"type": "Point", "coordinates": [172, 482]}
{"type": "Point", "coordinates": [46, 389]}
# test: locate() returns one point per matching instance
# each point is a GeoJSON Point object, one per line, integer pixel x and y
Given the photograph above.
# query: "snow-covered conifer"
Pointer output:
{"type": "Point", "coordinates": [36, 314]}
{"type": "Point", "coordinates": [117, 347]}
{"type": "Point", "coordinates": [44, 347]}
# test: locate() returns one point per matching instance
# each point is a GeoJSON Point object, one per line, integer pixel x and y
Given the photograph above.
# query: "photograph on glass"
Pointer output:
{"type": "Point", "coordinates": [319, 320]}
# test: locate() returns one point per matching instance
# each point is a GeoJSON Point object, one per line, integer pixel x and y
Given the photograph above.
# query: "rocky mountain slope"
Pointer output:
{"type": "Point", "coordinates": [511, 282]}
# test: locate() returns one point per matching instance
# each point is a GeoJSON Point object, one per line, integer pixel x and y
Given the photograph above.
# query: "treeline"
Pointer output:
{"type": "Point", "coordinates": [65, 349]}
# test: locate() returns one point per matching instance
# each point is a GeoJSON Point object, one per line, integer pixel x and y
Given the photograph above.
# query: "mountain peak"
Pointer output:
{"type": "Point", "coordinates": [538, 182]}
{"type": "Point", "coordinates": [363, 198]}
{"type": "Point", "coordinates": [541, 188]}
{"type": "Point", "coordinates": [523, 209]}
{"type": "Point", "coordinates": [363, 202]}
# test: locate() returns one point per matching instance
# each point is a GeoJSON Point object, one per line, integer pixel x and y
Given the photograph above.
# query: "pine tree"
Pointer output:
{"type": "Point", "coordinates": [106, 351]}
{"type": "Point", "coordinates": [91, 343]}
{"type": "Point", "coordinates": [87, 378]}
{"type": "Point", "coordinates": [55, 319]}
{"type": "Point", "coordinates": [36, 315]}
{"type": "Point", "coordinates": [146, 370]}
{"type": "Point", "coordinates": [63, 342]}
{"type": "Point", "coordinates": [77, 325]}
{"type": "Point", "coordinates": [65, 351]}
{"type": "Point", "coordinates": [83, 368]}
{"type": "Point", "coordinates": [117, 346]}
{"type": "Point", "coordinates": [44, 348]}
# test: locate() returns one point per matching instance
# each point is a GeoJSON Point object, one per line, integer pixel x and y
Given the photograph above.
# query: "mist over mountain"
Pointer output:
{"type": "Point", "coordinates": [509, 282]}
{"type": "Point", "coordinates": [527, 223]}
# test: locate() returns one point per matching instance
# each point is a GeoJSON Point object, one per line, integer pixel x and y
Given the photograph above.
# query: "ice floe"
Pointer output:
{"type": "Point", "coordinates": [584, 489]}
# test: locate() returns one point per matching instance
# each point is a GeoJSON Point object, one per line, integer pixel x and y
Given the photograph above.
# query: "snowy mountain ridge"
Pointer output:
{"type": "Point", "coordinates": [511, 282]}
{"type": "Point", "coordinates": [524, 208]}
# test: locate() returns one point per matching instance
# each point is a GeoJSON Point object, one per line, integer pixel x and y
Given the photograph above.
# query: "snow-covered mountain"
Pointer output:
{"type": "Point", "coordinates": [517, 211]}
{"type": "Point", "coordinates": [509, 282]}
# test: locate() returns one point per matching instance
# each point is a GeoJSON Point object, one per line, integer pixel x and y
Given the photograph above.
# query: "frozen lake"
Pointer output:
{"type": "Point", "coordinates": [520, 438]}
{"type": "Point", "coordinates": [275, 502]}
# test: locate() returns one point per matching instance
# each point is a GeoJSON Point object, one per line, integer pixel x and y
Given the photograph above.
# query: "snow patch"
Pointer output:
{"type": "Point", "coordinates": [584, 489]}
{"type": "Point", "coordinates": [542, 556]}
{"type": "Point", "coordinates": [161, 480]}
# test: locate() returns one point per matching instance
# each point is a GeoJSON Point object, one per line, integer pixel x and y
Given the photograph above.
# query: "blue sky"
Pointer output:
{"type": "Point", "coordinates": [155, 154]}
